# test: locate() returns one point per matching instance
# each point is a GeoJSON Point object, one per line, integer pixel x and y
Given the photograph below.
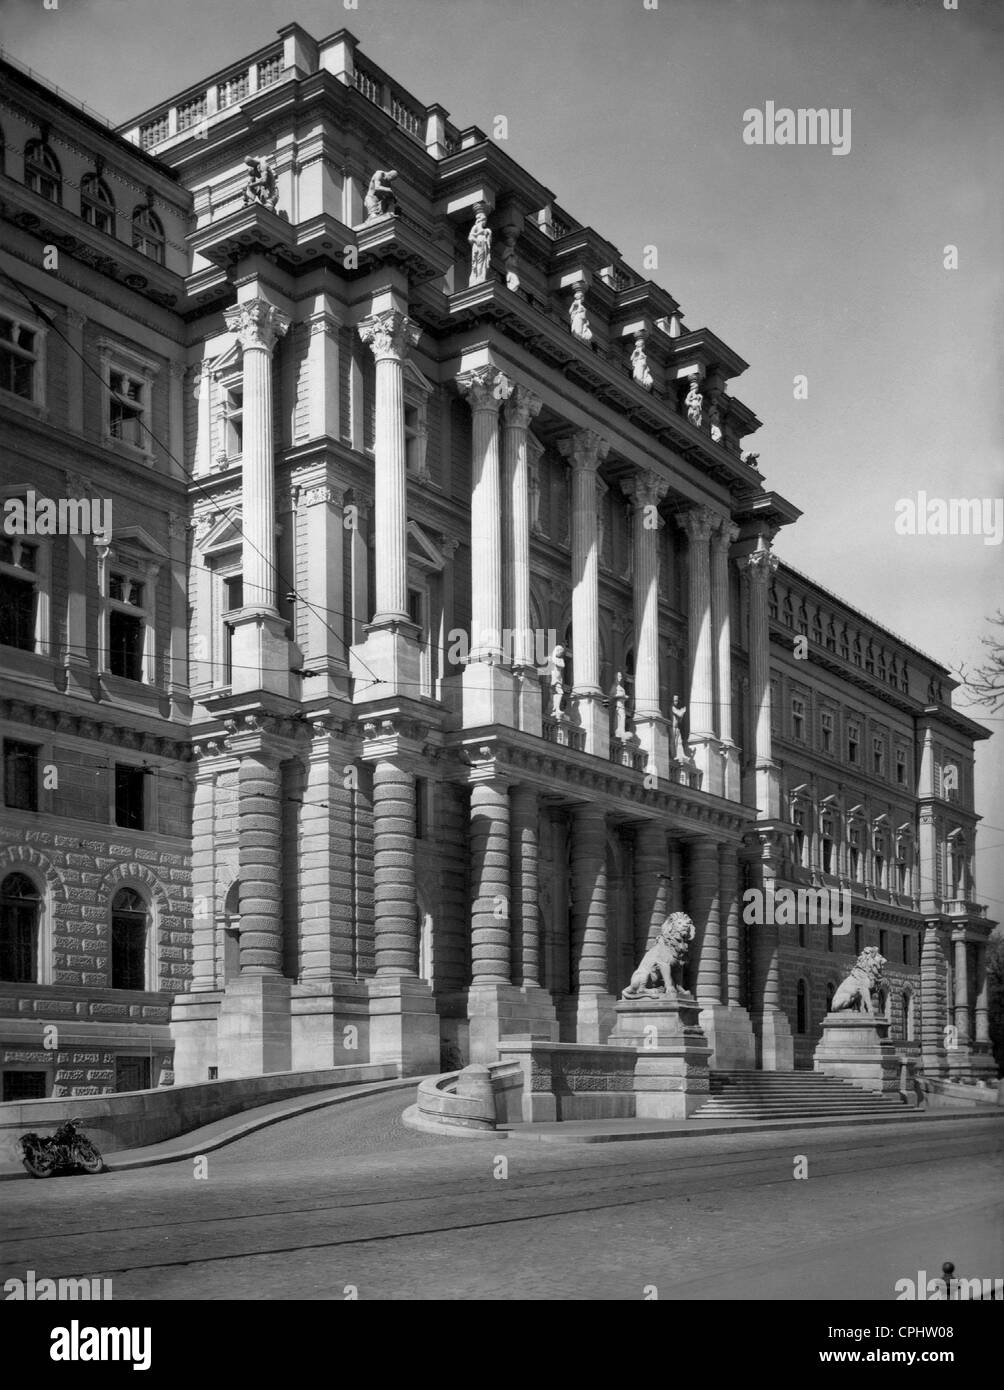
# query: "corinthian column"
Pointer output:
{"type": "Point", "coordinates": [645, 491]}
{"type": "Point", "coordinates": [721, 542]}
{"type": "Point", "coordinates": [758, 569]}
{"type": "Point", "coordinates": [258, 325]}
{"type": "Point", "coordinates": [389, 334]}
{"type": "Point", "coordinates": [585, 450]}
{"type": "Point", "coordinates": [520, 409]}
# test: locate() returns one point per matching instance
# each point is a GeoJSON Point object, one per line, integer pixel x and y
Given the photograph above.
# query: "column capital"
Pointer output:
{"type": "Point", "coordinates": [698, 523]}
{"type": "Point", "coordinates": [585, 450]}
{"type": "Point", "coordinates": [727, 533]}
{"type": "Point", "coordinates": [644, 489]}
{"type": "Point", "coordinates": [759, 566]}
{"type": "Point", "coordinates": [485, 388]}
{"type": "Point", "coordinates": [257, 324]}
{"type": "Point", "coordinates": [317, 493]}
{"type": "Point", "coordinates": [521, 407]}
{"type": "Point", "coordinates": [389, 334]}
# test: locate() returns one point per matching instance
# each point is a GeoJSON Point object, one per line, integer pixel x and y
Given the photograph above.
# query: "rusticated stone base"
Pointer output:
{"type": "Point", "coordinates": [671, 1070]}
{"type": "Point", "coordinates": [856, 1048]}
{"type": "Point", "coordinates": [500, 1011]}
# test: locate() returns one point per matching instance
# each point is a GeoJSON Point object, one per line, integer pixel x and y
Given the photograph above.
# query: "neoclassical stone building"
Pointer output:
{"type": "Point", "coordinates": [491, 662]}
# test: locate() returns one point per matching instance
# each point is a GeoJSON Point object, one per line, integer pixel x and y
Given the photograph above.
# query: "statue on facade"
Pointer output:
{"type": "Point", "coordinates": [639, 363]}
{"type": "Point", "coordinates": [695, 404]}
{"type": "Point", "coordinates": [480, 239]}
{"type": "Point", "coordinates": [556, 677]}
{"type": "Point", "coordinates": [660, 974]}
{"type": "Point", "coordinates": [715, 422]}
{"type": "Point", "coordinates": [678, 746]}
{"type": "Point", "coordinates": [579, 318]}
{"type": "Point", "coordinates": [751, 459]}
{"type": "Point", "coordinates": [380, 200]}
{"type": "Point", "coordinates": [620, 699]}
{"type": "Point", "coordinates": [507, 255]}
{"type": "Point", "coordinates": [865, 976]}
{"type": "Point", "coordinates": [261, 185]}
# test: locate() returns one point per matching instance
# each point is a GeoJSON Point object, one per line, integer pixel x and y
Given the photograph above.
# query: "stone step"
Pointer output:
{"type": "Point", "coordinates": [752, 1095]}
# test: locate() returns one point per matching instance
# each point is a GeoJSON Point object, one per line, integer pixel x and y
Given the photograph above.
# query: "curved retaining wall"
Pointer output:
{"type": "Point", "coordinates": [133, 1119]}
{"type": "Point", "coordinates": [479, 1097]}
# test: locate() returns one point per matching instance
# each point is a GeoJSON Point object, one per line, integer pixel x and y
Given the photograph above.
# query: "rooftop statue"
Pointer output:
{"type": "Point", "coordinates": [855, 992]}
{"type": "Point", "coordinates": [695, 403]}
{"type": "Point", "coordinates": [639, 363]}
{"type": "Point", "coordinates": [380, 200]}
{"type": "Point", "coordinates": [660, 975]}
{"type": "Point", "coordinates": [579, 318]}
{"type": "Point", "coordinates": [480, 239]}
{"type": "Point", "coordinates": [261, 185]}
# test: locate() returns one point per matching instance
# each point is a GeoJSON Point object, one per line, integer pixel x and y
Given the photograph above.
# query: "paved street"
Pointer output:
{"type": "Point", "coordinates": [348, 1197]}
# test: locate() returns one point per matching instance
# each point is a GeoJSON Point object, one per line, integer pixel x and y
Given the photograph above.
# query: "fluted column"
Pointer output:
{"type": "Point", "coordinates": [651, 885]}
{"type": "Point", "coordinates": [961, 991]}
{"type": "Point", "coordinates": [259, 833]}
{"type": "Point", "coordinates": [524, 859]}
{"type": "Point", "coordinates": [933, 1003]}
{"type": "Point", "coordinates": [485, 388]}
{"type": "Point", "coordinates": [982, 1020]}
{"type": "Point", "coordinates": [257, 326]}
{"type": "Point", "coordinates": [645, 491]}
{"type": "Point", "coordinates": [204, 877]}
{"type": "Point", "coordinates": [721, 543]}
{"type": "Point", "coordinates": [521, 407]}
{"type": "Point", "coordinates": [395, 914]}
{"type": "Point", "coordinates": [389, 334]}
{"type": "Point", "coordinates": [490, 884]}
{"type": "Point", "coordinates": [698, 524]}
{"type": "Point", "coordinates": [758, 569]}
{"type": "Point", "coordinates": [584, 451]}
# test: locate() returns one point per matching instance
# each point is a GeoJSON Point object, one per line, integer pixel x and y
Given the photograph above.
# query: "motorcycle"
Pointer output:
{"type": "Point", "coordinates": [44, 1154]}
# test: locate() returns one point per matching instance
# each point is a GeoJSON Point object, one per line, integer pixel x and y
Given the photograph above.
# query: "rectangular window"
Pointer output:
{"type": "Point", "coordinates": [901, 767]}
{"type": "Point", "coordinates": [798, 718]}
{"type": "Point", "coordinates": [852, 744]}
{"type": "Point", "coordinates": [233, 421]}
{"type": "Point", "coordinates": [132, 1073]}
{"type": "Point", "coordinates": [18, 358]}
{"type": "Point", "coordinates": [20, 775]}
{"type": "Point", "coordinates": [421, 808]}
{"type": "Point", "coordinates": [826, 729]}
{"type": "Point", "coordinates": [878, 757]}
{"type": "Point", "coordinates": [18, 607]}
{"type": "Point", "coordinates": [126, 409]}
{"type": "Point", "coordinates": [128, 955]}
{"type": "Point", "coordinates": [906, 949]}
{"type": "Point", "coordinates": [130, 788]}
{"type": "Point", "coordinates": [125, 645]}
{"type": "Point", "coordinates": [233, 602]}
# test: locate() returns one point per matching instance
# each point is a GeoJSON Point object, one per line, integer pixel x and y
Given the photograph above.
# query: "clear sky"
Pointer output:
{"type": "Point", "coordinates": [805, 262]}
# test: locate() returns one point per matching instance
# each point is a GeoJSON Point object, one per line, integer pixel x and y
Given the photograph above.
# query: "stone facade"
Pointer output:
{"type": "Point", "coordinates": [368, 496]}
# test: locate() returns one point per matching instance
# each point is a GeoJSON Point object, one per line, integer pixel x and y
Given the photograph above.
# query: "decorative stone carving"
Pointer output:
{"type": "Point", "coordinates": [556, 676]}
{"type": "Point", "coordinates": [257, 324]}
{"type": "Point", "coordinates": [759, 566]}
{"type": "Point", "coordinates": [639, 363]}
{"type": "Point", "coordinates": [261, 185]}
{"type": "Point", "coordinates": [865, 976]}
{"type": "Point", "coordinates": [678, 749]}
{"type": "Point", "coordinates": [660, 974]}
{"type": "Point", "coordinates": [507, 254]}
{"type": "Point", "coordinates": [751, 460]}
{"type": "Point", "coordinates": [389, 334]}
{"type": "Point", "coordinates": [619, 696]}
{"type": "Point", "coordinates": [694, 403]}
{"type": "Point", "coordinates": [715, 422]}
{"type": "Point", "coordinates": [579, 318]}
{"type": "Point", "coordinates": [480, 239]}
{"type": "Point", "coordinates": [485, 387]}
{"type": "Point", "coordinates": [380, 200]}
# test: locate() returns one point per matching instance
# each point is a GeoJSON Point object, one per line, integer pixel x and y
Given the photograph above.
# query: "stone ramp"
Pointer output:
{"type": "Point", "coordinates": [760, 1095]}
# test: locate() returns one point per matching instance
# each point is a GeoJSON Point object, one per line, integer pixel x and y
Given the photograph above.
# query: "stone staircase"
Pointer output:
{"type": "Point", "coordinates": [791, 1095]}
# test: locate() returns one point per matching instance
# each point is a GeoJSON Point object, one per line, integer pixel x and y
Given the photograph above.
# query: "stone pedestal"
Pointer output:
{"type": "Point", "coordinates": [498, 1011]}
{"type": "Point", "coordinates": [732, 772]}
{"type": "Point", "coordinates": [671, 1073]}
{"type": "Point", "coordinates": [254, 1032]}
{"type": "Point", "coordinates": [856, 1047]}
{"type": "Point", "coordinates": [729, 1032]}
{"type": "Point", "coordinates": [390, 656]}
{"type": "Point", "coordinates": [775, 1047]}
{"type": "Point", "coordinates": [330, 1024]}
{"type": "Point", "coordinates": [404, 1025]}
{"type": "Point", "coordinates": [528, 700]}
{"type": "Point", "coordinates": [594, 1017]}
{"type": "Point", "coordinates": [488, 695]}
{"type": "Point", "coordinates": [705, 751]}
{"type": "Point", "coordinates": [262, 654]}
{"type": "Point", "coordinates": [194, 1027]}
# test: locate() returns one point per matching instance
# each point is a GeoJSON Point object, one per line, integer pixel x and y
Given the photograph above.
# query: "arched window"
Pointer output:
{"type": "Point", "coordinates": [97, 206]}
{"type": "Point", "coordinates": [230, 925]}
{"type": "Point", "coordinates": [802, 1008]}
{"type": "Point", "coordinates": [42, 172]}
{"type": "Point", "coordinates": [148, 234]}
{"type": "Point", "coordinates": [130, 924]}
{"type": "Point", "coordinates": [20, 912]}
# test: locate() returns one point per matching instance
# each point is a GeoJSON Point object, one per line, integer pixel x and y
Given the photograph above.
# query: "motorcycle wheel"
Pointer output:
{"type": "Point", "coordinates": [39, 1165]}
{"type": "Point", "coordinates": [87, 1157]}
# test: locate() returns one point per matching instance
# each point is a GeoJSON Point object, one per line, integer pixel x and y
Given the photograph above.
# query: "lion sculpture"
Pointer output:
{"type": "Point", "coordinates": [856, 991]}
{"type": "Point", "coordinates": [660, 975]}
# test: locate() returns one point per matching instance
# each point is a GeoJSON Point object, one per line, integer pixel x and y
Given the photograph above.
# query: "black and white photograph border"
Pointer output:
{"type": "Point", "coordinates": [502, 788]}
